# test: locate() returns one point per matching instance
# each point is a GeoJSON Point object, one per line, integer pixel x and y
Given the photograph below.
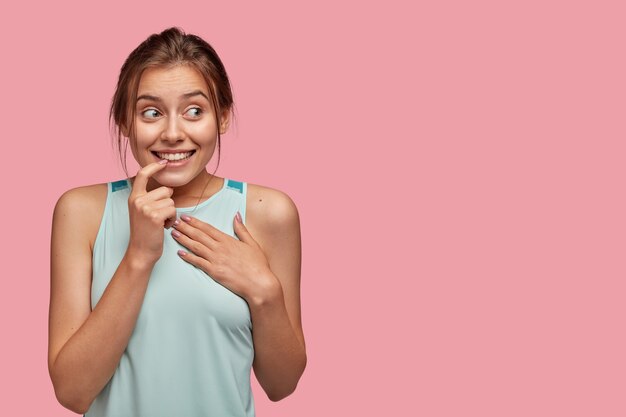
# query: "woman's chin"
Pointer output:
{"type": "Point", "coordinates": [171, 180]}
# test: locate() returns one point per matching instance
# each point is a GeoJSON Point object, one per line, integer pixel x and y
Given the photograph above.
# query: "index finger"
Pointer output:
{"type": "Point", "coordinates": [210, 230]}
{"type": "Point", "coordinates": [141, 180]}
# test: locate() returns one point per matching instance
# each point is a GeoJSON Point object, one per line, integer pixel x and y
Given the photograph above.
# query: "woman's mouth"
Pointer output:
{"type": "Point", "coordinates": [174, 157]}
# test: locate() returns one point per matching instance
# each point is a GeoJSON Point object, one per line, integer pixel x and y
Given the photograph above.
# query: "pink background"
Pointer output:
{"type": "Point", "coordinates": [458, 168]}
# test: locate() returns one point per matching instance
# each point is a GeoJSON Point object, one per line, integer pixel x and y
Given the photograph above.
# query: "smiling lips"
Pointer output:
{"type": "Point", "coordinates": [173, 156]}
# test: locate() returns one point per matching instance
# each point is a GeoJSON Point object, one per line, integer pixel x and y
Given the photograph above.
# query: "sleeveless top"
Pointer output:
{"type": "Point", "coordinates": [191, 351]}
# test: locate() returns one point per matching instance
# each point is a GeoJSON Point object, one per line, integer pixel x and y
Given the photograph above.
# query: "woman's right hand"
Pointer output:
{"type": "Point", "coordinates": [149, 213]}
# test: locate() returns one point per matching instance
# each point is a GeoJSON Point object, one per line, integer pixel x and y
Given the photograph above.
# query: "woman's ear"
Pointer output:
{"type": "Point", "coordinates": [224, 121]}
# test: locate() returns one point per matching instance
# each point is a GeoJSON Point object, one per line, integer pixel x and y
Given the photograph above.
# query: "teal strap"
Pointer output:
{"type": "Point", "coordinates": [119, 185]}
{"type": "Point", "coordinates": [235, 185]}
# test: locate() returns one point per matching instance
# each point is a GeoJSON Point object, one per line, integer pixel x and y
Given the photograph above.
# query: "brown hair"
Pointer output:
{"type": "Point", "coordinates": [169, 48]}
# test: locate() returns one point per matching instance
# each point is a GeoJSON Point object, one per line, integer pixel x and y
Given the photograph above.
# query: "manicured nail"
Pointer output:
{"type": "Point", "coordinates": [185, 217]}
{"type": "Point", "coordinates": [175, 233]}
{"type": "Point", "coordinates": [238, 217]}
{"type": "Point", "coordinates": [163, 161]}
{"type": "Point", "coordinates": [176, 222]}
{"type": "Point", "coordinates": [182, 252]}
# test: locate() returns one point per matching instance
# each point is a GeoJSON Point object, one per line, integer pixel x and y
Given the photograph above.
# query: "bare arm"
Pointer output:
{"type": "Point", "coordinates": [280, 355]}
{"type": "Point", "coordinates": [84, 346]}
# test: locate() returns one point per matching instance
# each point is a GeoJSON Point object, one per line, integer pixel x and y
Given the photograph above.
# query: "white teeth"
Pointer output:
{"type": "Point", "coordinates": [174, 156]}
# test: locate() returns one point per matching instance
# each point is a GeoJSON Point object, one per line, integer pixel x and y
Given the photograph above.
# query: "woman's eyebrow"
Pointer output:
{"type": "Point", "coordinates": [186, 95]}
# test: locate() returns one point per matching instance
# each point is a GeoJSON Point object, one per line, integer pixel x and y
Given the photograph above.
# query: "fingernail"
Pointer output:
{"type": "Point", "coordinates": [176, 222]}
{"type": "Point", "coordinates": [185, 217]}
{"type": "Point", "coordinates": [175, 233]}
{"type": "Point", "coordinates": [163, 161]}
{"type": "Point", "coordinates": [182, 252]}
{"type": "Point", "coordinates": [238, 217]}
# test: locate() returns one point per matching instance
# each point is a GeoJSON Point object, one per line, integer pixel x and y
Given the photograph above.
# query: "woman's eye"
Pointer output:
{"type": "Point", "coordinates": [195, 111]}
{"type": "Point", "coordinates": [150, 113]}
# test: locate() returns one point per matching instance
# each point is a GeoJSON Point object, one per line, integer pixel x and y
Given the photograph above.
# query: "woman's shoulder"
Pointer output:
{"type": "Point", "coordinates": [84, 197]}
{"type": "Point", "coordinates": [85, 205]}
{"type": "Point", "coordinates": [270, 209]}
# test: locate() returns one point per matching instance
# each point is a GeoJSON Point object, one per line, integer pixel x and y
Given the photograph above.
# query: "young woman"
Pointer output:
{"type": "Point", "coordinates": [167, 288]}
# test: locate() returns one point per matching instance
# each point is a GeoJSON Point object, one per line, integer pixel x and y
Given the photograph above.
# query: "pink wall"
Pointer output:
{"type": "Point", "coordinates": [458, 167]}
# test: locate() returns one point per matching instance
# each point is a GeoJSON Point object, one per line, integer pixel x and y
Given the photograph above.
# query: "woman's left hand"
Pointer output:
{"type": "Point", "coordinates": [239, 265]}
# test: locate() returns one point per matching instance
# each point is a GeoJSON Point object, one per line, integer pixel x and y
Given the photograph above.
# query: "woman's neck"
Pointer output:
{"type": "Point", "coordinates": [200, 188]}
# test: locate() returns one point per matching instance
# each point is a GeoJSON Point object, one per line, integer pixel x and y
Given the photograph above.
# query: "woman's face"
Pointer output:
{"type": "Point", "coordinates": [174, 120]}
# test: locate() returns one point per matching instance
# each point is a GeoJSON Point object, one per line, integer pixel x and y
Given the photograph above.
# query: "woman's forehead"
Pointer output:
{"type": "Point", "coordinates": [180, 79]}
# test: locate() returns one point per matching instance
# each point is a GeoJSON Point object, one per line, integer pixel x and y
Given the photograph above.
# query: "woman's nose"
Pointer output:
{"type": "Point", "coordinates": [172, 130]}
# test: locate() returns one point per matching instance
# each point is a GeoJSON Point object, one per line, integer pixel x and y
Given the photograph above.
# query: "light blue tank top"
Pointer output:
{"type": "Point", "coordinates": [191, 351]}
